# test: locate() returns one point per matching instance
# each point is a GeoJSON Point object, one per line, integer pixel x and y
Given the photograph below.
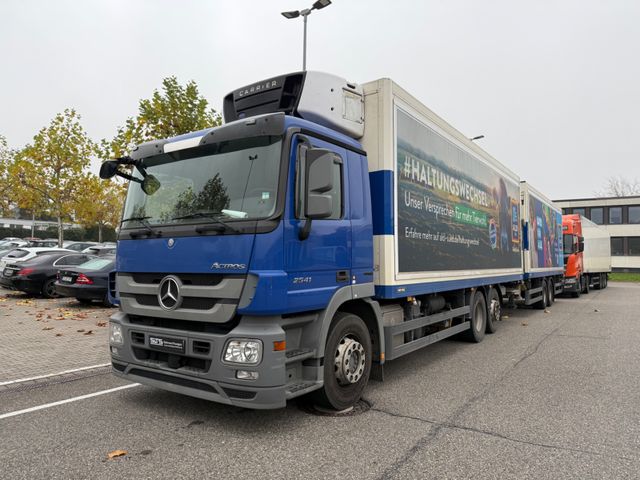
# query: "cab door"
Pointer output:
{"type": "Point", "coordinates": [319, 264]}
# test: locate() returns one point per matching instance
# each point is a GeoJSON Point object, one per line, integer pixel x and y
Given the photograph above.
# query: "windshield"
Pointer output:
{"type": "Point", "coordinates": [568, 243]}
{"type": "Point", "coordinates": [232, 180]}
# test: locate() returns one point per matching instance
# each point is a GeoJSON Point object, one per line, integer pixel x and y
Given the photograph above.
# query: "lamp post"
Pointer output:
{"type": "Point", "coordinates": [318, 5]}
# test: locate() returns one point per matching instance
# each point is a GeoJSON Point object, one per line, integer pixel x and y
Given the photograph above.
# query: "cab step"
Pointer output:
{"type": "Point", "coordinates": [301, 388]}
{"type": "Point", "coordinates": [298, 355]}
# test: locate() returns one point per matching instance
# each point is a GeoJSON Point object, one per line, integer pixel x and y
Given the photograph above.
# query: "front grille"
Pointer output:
{"type": "Point", "coordinates": [186, 325]}
{"type": "Point", "coordinates": [137, 337]}
{"type": "Point", "coordinates": [201, 348]}
{"type": "Point", "coordinates": [194, 303]}
{"type": "Point", "coordinates": [171, 360]}
{"type": "Point", "coordinates": [198, 279]}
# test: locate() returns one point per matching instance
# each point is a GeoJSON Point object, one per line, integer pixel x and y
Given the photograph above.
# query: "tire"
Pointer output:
{"type": "Point", "coordinates": [578, 291]}
{"type": "Point", "coordinates": [494, 310]}
{"type": "Point", "coordinates": [552, 291]}
{"type": "Point", "coordinates": [49, 288]}
{"type": "Point", "coordinates": [544, 302]}
{"type": "Point", "coordinates": [84, 301]}
{"type": "Point", "coordinates": [478, 318]}
{"type": "Point", "coordinates": [348, 345]}
{"type": "Point", "coordinates": [606, 280]}
{"type": "Point", "coordinates": [585, 285]}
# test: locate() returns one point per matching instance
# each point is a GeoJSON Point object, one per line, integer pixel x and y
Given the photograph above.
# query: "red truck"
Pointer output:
{"type": "Point", "coordinates": [587, 255]}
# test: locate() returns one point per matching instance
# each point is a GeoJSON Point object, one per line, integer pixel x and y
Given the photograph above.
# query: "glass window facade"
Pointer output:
{"type": "Point", "coordinates": [579, 211]}
{"type": "Point", "coordinates": [617, 246]}
{"type": "Point", "coordinates": [634, 245]}
{"type": "Point", "coordinates": [615, 215]}
{"type": "Point", "coordinates": [634, 214]}
{"type": "Point", "coordinates": [597, 215]}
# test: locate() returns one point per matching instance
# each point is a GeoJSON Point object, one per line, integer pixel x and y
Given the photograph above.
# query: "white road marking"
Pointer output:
{"type": "Point", "coordinates": [11, 382]}
{"type": "Point", "coordinates": [68, 400]}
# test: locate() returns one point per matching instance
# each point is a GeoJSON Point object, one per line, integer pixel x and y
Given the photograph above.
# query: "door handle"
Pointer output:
{"type": "Point", "coordinates": [342, 276]}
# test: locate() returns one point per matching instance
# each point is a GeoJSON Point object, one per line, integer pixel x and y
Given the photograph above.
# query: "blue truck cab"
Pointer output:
{"type": "Point", "coordinates": [245, 266]}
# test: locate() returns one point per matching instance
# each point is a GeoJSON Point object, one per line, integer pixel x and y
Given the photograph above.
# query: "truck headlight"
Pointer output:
{"type": "Point", "coordinates": [247, 352]}
{"type": "Point", "coordinates": [115, 334]}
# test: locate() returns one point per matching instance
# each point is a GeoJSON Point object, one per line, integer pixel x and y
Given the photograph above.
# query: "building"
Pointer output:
{"type": "Point", "coordinates": [38, 225]}
{"type": "Point", "coordinates": [621, 217]}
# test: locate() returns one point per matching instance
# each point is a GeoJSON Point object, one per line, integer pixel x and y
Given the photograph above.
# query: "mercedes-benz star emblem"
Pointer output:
{"type": "Point", "coordinates": [171, 242]}
{"type": "Point", "coordinates": [169, 293]}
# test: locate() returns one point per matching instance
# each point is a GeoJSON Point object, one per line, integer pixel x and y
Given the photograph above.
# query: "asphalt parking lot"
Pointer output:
{"type": "Point", "coordinates": [551, 395]}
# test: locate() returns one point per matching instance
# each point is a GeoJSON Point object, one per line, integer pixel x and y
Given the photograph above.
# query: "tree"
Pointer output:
{"type": "Point", "coordinates": [52, 169]}
{"type": "Point", "coordinates": [6, 184]}
{"type": "Point", "coordinates": [176, 110]}
{"type": "Point", "coordinates": [101, 204]}
{"type": "Point", "coordinates": [620, 187]}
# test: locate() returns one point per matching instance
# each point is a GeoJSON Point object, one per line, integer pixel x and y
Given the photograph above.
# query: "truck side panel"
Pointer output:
{"type": "Point", "coordinates": [446, 214]}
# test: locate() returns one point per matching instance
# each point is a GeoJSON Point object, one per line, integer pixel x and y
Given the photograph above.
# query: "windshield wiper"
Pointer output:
{"type": "Point", "coordinates": [144, 223]}
{"type": "Point", "coordinates": [210, 216]}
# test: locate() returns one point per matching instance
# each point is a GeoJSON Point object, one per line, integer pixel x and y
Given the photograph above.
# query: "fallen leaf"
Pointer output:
{"type": "Point", "coordinates": [116, 453]}
{"type": "Point", "coordinates": [524, 324]}
{"type": "Point", "coordinates": [596, 310]}
{"type": "Point", "coordinates": [48, 328]}
{"type": "Point", "coordinates": [58, 334]}
{"type": "Point", "coordinates": [504, 317]}
{"type": "Point", "coordinates": [546, 311]}
{"type": "Point", "coordinates": [88, 332]}
{"type": "Point", "coordinates": [101, 324]}
{"type": "Point", "coordinates": [80, 331]}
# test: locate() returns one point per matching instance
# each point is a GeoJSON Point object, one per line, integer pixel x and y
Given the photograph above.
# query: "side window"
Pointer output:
{"type": "Point", "coordinates": [71, 260]}
{"type": "Point", "coordinates": [336, 192]}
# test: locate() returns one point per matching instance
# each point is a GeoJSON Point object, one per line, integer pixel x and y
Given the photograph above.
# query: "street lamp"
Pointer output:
{"type": "Point", "coordinates": [477, 138]}
{"type": "Point", "coordinates": [318, 5]}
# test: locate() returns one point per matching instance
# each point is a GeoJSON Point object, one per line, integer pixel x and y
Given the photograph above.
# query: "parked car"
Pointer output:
{"type": "Point", "coordinates": [38, 275]}
{"type": "Point", "coordinates": [47, 242]}
{"type": "Point", "coordinates": [77, 246]}
{"type": "Point", "coordinates": [87, 282]}
{"type": "Point", "coordinates": [101, 250]}
{"type": "Point", "coordinates": [26, 253]}
{"type": "Point", "coordinates": [15, 242]}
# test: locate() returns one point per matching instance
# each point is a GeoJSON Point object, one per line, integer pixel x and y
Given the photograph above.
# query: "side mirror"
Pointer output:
{"type": "Point", "coordinates": [108, 169]}
{"type": "Point", "coordinates": [580, 244]}
{"type": "Point", "coordinates": [150, 184]}
{"type": "Point", "coordinates": [319, 164]}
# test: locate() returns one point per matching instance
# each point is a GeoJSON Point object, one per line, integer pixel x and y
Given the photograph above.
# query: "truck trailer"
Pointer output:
{"type": "Point", "coordinates": [326, 228]}
{"type": "Point", "coordinates": [587, 255]}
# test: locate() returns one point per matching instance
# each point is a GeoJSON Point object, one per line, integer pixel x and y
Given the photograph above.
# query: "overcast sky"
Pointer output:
{"type": "Point", "coordinates": [553, 85]}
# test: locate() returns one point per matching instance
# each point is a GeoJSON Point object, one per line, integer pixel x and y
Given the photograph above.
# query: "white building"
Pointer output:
{"type": "Point", "coordinates": [26, 224]}
{"type": "Point", "coordinates": [621, 217]}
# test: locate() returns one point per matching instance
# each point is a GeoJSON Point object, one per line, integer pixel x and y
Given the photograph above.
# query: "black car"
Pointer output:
{"type": "Point", "coordinates": [38, 275]}
{"type": "Point", "coordinates": [87, 282]}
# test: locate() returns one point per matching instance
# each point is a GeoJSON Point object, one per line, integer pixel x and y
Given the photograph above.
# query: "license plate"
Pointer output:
{"type": "Point", "coordinates": [167, 344]}
{"type": "Point", "coordinates": [67, 279]}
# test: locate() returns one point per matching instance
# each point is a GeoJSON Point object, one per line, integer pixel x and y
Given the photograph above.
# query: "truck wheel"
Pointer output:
{"type": "Point", "coordinates": [552, 291]}
{"type": "Point", "coordinates": [606, 280]}
{"type": "Point", "coordinates": [478, 318]}
{"type": "Point", "coordinates": [544, 301]}
{"type": "Point", "coordinates": [585, 284]}
{"type": "Point", "coordinates": [49, 289]}
{"type": "Point", "coordinates": [578, 291]}
{"type": "Point", "coordinates": [347, 362]}
{"type": "Point", "coordinates": [494, 310]}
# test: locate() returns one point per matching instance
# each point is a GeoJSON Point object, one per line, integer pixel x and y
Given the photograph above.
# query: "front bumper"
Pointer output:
{"type": "Point", "coordinates": [88, 292]}
{"type": "Point", "coordinates": [199, 373]}
{"type": "Point", "coordinates": [571, 284]}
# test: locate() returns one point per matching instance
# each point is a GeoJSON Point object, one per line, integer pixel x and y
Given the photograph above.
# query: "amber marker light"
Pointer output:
{"type": "Point", "coordinates": [279, 346]}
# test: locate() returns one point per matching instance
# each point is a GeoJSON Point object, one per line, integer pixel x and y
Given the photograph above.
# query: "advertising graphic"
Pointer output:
{"type": "Point", "coordinates": [546, 231]}
{"type": "Point", "coordinates": [454, 211]}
